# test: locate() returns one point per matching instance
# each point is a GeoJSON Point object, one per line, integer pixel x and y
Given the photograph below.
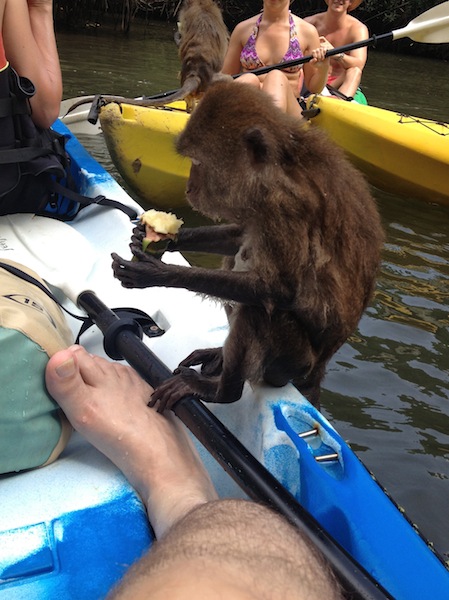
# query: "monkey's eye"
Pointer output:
{"type": "Point", "coordinates": [195, 162]}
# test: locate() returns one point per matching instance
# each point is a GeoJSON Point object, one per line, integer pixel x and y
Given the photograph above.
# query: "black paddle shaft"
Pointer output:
{"type": "Point", "coordinates": [122, 339]}
{"type": "Point", "coordinates": [372, 41]}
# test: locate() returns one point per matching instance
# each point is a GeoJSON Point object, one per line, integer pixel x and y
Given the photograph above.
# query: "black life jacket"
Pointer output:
{"type": "Point", "coordinates": [35, 172]}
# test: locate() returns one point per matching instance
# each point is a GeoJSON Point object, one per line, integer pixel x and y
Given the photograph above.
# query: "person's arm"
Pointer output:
{"type": "Point", "coordinates": [315, 71]}
{"type": "Point", "coordinates": [357, 57]}
{"type": "Point", "coordinates": [30, 46]}
{"type": "Point", "coordinates": [231, 64]}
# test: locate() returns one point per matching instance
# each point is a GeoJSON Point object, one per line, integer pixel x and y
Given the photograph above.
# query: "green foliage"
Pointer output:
{"type": "Point", "coordinates": [379, 15]}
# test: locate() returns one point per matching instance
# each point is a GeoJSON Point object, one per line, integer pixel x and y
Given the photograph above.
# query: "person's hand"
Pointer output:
{"type": "Point", "coordinates": [324, 43]}
{"type": "Point", "coordinates": [319, 57]}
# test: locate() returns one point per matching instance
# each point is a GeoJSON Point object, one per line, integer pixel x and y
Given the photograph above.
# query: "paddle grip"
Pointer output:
{"type": "Point", "coordinates": [253, 478]}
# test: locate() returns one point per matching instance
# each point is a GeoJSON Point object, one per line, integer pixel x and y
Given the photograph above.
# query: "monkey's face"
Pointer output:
{"type": "Point", "coordinates": [236, 139]}
{"type": "Point", "coordinates": [205, 193]}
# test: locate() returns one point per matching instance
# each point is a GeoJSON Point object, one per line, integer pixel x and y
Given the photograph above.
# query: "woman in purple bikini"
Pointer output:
{"type": "Point", "coordinates": [276, 35]}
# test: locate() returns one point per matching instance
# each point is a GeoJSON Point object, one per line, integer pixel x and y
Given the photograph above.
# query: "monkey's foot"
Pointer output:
{"type": "Point", "coordinates": [210, 359]}
{"type": "Point", "coordinates": [185, 382]}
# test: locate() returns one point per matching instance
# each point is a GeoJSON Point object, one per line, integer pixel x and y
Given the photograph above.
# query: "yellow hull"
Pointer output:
{"type": "Point", "coordinates": [141, 144]}
{"type": "Point", "coordinates": [398, 153]}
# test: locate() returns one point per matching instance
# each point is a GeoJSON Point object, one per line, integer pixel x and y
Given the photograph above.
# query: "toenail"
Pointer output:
{"type": "Point", "coordinates": [66, 369]}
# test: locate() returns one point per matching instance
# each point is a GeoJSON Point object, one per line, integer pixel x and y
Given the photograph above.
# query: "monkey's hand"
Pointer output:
{"type": "Point", "coordinates": [186, 382]}
{"type": "Point", "coordinates": [137, 237]}
{"type": "Point", "coordinates": [210, 359]}
{"type": "Point", "coordinates": [146, 272]}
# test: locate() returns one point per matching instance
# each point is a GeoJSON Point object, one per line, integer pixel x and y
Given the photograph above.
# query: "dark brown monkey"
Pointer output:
{"type": "Point", "coordinates": [203, 42]}
{"type": "Point", "coordinates": [303, 246]}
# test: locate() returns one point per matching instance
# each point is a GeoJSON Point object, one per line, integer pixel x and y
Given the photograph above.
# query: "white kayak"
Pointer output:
{"type": "Point", "coordinates": [71, 529]}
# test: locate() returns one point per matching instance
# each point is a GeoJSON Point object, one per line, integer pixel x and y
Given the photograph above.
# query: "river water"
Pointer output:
{"type": "Point", "coordinates": [387, 389]}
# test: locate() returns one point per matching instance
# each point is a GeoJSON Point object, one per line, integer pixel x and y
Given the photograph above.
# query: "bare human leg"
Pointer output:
{"type": "Point", "coordinates": [206, 548]}
{"type": "Point", "coordinates": [276, 84]}
{"type": "Point", "coordinates": [231, 549]}
{"type": "Point", "coordinates": [107, 403]}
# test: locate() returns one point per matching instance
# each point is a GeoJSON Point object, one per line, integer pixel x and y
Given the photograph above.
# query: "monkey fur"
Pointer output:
{"type": "Point", "coordinates": [302, 247]}
{"type": "Point", "coordinates": [203, 44]}
{"type": "Point", "coordinates": [203, 41]}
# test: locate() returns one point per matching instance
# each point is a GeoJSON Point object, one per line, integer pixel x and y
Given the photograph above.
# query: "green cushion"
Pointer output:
{"type": "Point", "coordinates": [30, 425]}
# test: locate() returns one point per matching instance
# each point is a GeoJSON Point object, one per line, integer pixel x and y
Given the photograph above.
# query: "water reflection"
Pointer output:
{"type": "Point", "coordinates": [142, 64]}
{"type": "Point", "coordinates": [412, 85]}
{"type": "Point", "coordinates": [387, 389]}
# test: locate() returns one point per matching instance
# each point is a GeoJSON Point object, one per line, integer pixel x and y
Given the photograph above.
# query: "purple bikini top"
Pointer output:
{"type": "Point", "coordinates": [250, 60]}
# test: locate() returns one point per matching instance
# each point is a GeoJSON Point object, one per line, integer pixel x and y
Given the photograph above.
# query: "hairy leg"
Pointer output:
{"type": "Point", "coordinates": [231, 549]}
{"type": "Point", "coordinates": [107, 403]}
{"type": "Point", "coordinates": [310, 386]}
{"type": "Point", "coordinates": [210, 359]}
{"type": "Point", "coordinates": [224, 388]}
{"type": "Point", "coordinates": [206, 548]}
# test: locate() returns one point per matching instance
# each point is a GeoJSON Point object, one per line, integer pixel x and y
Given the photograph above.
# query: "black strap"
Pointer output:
{"type": "Point", "coordinates": [19, 155]}
{"type": "Point", "coordinates": [30, 279]}
{"type": "Point", "coordinates": [309, 113]}
{"type": "Point", "coordinates": [334, 91]}
{"type": "Point", "coordinates": [14, 106]}
{"type": "Point", "coordinates": [144, 321]}
{"type": "Point", "coordinates": [101, 200]}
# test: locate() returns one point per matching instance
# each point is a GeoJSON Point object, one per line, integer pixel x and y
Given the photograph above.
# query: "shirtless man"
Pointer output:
{"type": "Point", "coordinates": [337, 28]}
{"type": "Point", "coordinates": [206, 548]}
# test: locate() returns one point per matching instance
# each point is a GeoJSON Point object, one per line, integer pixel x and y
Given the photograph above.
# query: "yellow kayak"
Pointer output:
{"type": "Point", "coordinates": [141, 144]}
{"type": "Point", "coordinates": [398, 153]}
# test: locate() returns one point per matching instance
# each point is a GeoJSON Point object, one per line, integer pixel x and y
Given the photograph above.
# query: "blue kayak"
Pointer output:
{"type": "Point", "coordinates": [73, 528]}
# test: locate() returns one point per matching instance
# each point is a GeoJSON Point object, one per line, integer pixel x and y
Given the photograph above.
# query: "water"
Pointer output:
{"type": "Point", "coordinates": [387, 390]}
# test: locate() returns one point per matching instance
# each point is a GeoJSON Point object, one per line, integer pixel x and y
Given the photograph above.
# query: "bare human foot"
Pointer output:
{"type": "Point", "coordinates": [107, 403]}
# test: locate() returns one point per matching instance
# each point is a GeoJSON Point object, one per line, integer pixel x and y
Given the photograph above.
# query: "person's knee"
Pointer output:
{"type": "Point", "coordinates": [275, 78]}
{"type": "Point", "coordinates": [249, 79]}
{"type": "Point", "coordinates": [250, 543]}
{"type": "Point", "coordinates": [354, 75]}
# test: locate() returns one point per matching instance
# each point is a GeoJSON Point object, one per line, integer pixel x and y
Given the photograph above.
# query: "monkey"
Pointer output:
{"type": "Point", "coordinates": [203, 41]}
{"type": "Point", "coordinates": [301, 243]}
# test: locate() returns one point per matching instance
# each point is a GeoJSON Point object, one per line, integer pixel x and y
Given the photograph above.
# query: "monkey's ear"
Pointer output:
{"type": "Point", "coordinates": [257, 145]}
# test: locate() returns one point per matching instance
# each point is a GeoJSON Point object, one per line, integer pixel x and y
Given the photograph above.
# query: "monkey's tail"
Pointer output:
{"type": "Point", "coordinates": [191, 86]}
